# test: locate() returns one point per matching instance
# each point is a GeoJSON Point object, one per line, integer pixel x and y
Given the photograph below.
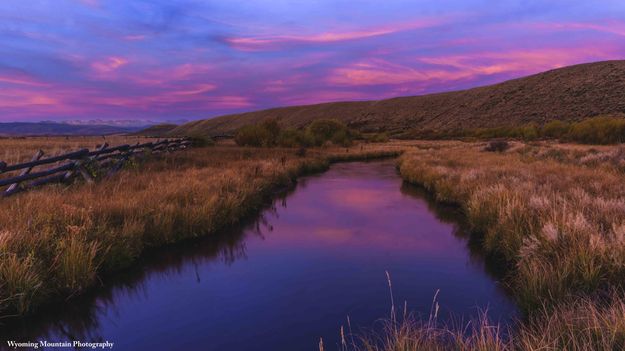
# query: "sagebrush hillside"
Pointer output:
{"type": "Point", "coordinates": [157, 130]}
{"type": "Point", "coordinates": [570, 93]}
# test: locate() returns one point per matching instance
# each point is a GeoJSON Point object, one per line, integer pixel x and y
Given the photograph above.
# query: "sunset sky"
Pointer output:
{"type": "Point", "coordinates": [160, 60]}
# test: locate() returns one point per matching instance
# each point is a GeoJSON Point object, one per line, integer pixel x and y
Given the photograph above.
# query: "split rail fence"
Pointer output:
{"type": "Point", "coordinates": [89, 165]}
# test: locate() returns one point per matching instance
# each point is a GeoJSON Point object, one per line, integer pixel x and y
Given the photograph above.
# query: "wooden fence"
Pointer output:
{"type": "Point", "coordinates": [89, 165]}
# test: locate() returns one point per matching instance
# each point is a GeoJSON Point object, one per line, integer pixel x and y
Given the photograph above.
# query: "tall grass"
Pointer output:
{"type": "Point", "coordinates": [21, 149]}
{"type": "Point", "coordinates": [582, 325]}
{"type": "Point", "coordinates": [403, 331]}
{"type": "Point", "coordinates": [55, 241]}
{"type": "Point", "coordinates": [559, 225]}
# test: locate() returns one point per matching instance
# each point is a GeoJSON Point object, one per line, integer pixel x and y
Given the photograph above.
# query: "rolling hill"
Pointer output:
{"type": "Point", "coordinates": [569, 93]}
{"type": "Point", "coordinates": [157, 130]}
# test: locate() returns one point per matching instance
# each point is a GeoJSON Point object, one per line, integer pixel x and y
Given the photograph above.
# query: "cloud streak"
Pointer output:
{"type": "Point", "coordinates": [280, 41]}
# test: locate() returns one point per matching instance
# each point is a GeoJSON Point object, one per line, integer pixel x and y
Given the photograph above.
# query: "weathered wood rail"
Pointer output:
{"type": "Point", "coordinates": [89, 165]}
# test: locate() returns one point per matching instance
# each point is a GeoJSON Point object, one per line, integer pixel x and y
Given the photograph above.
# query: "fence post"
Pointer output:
{"type": "Point", "coordinates": [13, 187]}
{"type": "Point", "coordinates": [80, 165]}
{"type": "Point", "coordinates": [119, 164]}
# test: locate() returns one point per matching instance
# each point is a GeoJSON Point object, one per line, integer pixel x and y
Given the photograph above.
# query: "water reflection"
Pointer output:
{"type": "Point", "coordinates": [78, 319]}
{"type": "Point", "coordinates": [290, 276]}
{"type": "Point", "coordinates": [495, 267]}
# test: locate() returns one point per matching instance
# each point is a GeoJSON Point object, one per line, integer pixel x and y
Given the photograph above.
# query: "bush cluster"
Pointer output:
{"type": "Point", "coordinates": [597, 130]}
{"type": "Point", "coordinates": [269, 133]}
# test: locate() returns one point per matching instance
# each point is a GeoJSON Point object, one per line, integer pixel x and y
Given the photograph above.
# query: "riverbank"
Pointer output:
{"type": "Point", "coordinates": [56, 241]}
{"type": "Point", "coordinates": [556, 214]}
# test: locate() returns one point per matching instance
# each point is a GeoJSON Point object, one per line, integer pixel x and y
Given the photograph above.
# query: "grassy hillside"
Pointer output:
{"type": "Point", "coordinates": [157, 130]}
{"type": "Point", "coordinates": [569, 93]}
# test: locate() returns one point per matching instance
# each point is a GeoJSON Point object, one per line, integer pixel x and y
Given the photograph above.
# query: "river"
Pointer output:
{"type": "Point", "coordinates": [281, 282]}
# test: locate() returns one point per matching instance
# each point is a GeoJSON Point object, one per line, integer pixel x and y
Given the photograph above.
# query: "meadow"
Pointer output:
{"type": "Point", "coordinates": [553, 214]}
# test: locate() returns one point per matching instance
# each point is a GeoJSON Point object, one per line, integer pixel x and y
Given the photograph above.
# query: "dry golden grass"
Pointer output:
{"type": "Point", "coordinates": [556, 215]}
{"type": "Point", "coordinates": [582, 325]}
{"type": "Point", "coordinates": [54, 241]}
{"type": "Point", "coordinates": [15, 150]}
{"type": "Point", "coordinates": [561, 223]}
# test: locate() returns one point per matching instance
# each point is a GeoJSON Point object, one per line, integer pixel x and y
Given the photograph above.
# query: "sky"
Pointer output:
{"type": "Point", "coordinates": [132, 61]}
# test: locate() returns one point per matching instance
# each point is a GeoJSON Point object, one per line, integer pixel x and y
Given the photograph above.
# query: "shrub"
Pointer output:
{"type": "Point", "coordinates": [273, 129]}
{"type": "Point", "coordinates": [556, 129]}
{"type": "Point", "coordinates": [325, 128]}
{"type": "Point", "coordinates": [262, 134]}
{"type": "Point", "coordinates": [268, 133]}
{"type": "Point", "coordinates": [200, 140]}
{"type": "Point", "coordinates": [292, 137]}
{"type": "Point", "coordinates": [527, 132]}
{"type": "Point", "coordinates": [250, 135]}
{"type": "Point", "coordinates": [497, 146]}
{"type": "Point", "coordinates": [598, 130]}
{"type": "Point", "coordinates": [342, 138]}
{"type": "Point", "coordinates": [322, 130]}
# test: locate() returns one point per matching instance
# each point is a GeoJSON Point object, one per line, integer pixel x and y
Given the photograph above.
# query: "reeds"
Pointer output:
{"type": "Point", "coordinates": [576, 324]}
{"type": "Point", "coordinates": [583, 325]}
{"type": "Point", "coordinates": [409, 333]}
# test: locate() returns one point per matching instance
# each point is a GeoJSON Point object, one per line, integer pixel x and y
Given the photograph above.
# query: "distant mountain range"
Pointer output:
{"type": "Point", "coordinates": [52, 128]}
{"type": "Point", "coordinates": [570, 93]}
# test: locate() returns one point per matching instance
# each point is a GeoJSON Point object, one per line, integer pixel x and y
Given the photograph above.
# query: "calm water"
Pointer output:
{"type": "Point", "coordinates": [314, 258]}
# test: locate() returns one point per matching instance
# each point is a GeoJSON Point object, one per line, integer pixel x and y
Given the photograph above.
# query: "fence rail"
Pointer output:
{"type": "Point", "coordinates": [89, 165]}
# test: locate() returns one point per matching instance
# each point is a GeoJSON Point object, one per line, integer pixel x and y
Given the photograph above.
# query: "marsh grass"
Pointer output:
{"type": "Point", "coordinates": [556, 215]}
{"type": "Point", "coordinates": [583, 325]}
{"type": "Point", "coordinates": [560, 224]}
{"type": "Point", "coordinates": [404, 331]}
{"type": "Point", "coordinates": [56, 241]}
{"type": "Point", "coordinates": [576, 324]}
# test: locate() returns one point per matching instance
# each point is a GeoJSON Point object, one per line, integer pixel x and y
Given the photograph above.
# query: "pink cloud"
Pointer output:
{"type": "Point", "coordinates": [35, 102]}
{"type": "Point", "coordinates": [110, 64]}
{"type": "Point", "coordinates": [21, 79]}
{"type": "Point", "coordinates": [167, 100]}
{"type": "Point", "coordinates": [373, 72]}
{"type": "Point", "coordinates": [22, 98]}
{"type": "Point", "coordinates": [612, 27]}
{"type": "Point", "coordinates": [463, 67]}
{"type": "Point", "coordinates": [273, 42]}
{"type": "Point", "coordinates": [194, 90]}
